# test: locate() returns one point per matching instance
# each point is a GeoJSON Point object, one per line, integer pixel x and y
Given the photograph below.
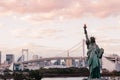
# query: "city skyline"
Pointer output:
{"type": "Point", "coordinates": [57, 25]}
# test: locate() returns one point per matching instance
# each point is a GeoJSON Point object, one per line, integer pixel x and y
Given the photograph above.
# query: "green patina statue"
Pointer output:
{"type": "Point", "coordinates": [94, 54]}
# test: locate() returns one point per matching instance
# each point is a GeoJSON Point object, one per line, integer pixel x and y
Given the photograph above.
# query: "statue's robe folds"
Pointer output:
{"type": "Point", "coordinates": [94, 54]}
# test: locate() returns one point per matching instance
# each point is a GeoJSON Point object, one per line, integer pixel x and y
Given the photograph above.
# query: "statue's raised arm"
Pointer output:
{"type": "Point", "coordinates": [85, 31]}
{"type": "Point", "coordinates": [86, 35]}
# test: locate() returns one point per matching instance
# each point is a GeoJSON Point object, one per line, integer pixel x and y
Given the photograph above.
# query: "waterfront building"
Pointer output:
{"type": "Point", "coordinates": [9, 58]}
{"type": "Point", "coordinates": [110, 64]}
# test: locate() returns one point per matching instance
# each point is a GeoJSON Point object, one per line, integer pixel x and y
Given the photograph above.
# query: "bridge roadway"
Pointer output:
{"type": "Point", "coordinates": [49, 59]}
{"type": "Point", "coordinates": [61, 58]}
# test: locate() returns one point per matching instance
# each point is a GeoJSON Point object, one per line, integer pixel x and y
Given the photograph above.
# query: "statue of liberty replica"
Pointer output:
{"type": "Point", "coordinates": [94, 54]}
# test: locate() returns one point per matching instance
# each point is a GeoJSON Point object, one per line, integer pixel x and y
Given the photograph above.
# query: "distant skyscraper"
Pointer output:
{"type": "Point", "coordinates": [73, 63]}
{"type": "Point", "coordinates": [9, 58]}
{"type": "Point", "coordinates": [58, 62]}
{"type": "Point", "coordinates": [68, 62]}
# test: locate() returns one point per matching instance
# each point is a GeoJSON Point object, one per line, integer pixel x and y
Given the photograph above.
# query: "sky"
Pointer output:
{"type": "Point", "coordinates": [50, 27]}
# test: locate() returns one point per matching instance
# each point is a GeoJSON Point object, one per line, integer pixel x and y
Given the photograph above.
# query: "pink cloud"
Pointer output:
{"type": "Point", "coordinates": [104, 8]}
{"type": "Point", "coordinates": [61, 8]}
{"type": "Point", "coordinates": [31, 6]}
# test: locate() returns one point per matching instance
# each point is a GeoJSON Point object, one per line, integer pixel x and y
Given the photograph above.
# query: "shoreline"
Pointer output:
{"type": "Point", "coordinates": [72, 75]}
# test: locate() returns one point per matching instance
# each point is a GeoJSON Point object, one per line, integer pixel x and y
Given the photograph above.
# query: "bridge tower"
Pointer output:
{"type": "Point", "coordinates": [83, 53]}
{"type": "Point", "coordinates": [25, 54]}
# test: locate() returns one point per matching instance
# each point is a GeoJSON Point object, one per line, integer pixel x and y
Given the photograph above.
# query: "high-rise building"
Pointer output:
{"type": "Point", "coordinates": [68, 62]}
{"type": "Point", "coordinates": [58, 62]}
{"type": "Point", "coordinates": [9, 58]}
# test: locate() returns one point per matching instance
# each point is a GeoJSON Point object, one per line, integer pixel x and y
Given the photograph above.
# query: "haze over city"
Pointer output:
{"type": "Point", "coordinates": [49, 27]}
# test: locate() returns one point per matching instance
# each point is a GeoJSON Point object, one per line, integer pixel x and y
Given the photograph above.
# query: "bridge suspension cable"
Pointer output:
{"type": "Point", "coordinates": [74, 48]}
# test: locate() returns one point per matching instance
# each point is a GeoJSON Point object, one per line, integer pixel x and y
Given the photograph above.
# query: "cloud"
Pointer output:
{"type": "Point", "coordinates": [56, 9]}
{"type": "Point", "coordinates": [35, 32]}
{"type": "Point", "coordinates": [104, 8]}
{"type": "Point", "coordinates": [1, 25]}
{"type": "Point", "coordinates": [31, 6]}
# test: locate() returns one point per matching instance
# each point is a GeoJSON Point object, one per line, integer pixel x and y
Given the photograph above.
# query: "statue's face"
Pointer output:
{"type": "Point", "coordinates": [92, 39]}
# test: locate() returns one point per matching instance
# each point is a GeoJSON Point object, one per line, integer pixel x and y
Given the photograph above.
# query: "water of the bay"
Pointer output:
{"type": "Point", "coordinates": [81, 78]}
{"type": "Point", "coordinates": [66, 78]}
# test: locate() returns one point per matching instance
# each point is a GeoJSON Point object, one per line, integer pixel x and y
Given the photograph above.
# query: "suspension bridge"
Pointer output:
{"type": "Point", "coordinates": [62, 61]}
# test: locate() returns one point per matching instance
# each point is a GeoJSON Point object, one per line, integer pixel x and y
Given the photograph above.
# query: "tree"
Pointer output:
{"type": "Point", "coordinates": [35, 74]}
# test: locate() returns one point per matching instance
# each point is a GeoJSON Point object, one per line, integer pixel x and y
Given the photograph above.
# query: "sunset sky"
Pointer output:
{"type": "Point", "coordinates": [58, 24]}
